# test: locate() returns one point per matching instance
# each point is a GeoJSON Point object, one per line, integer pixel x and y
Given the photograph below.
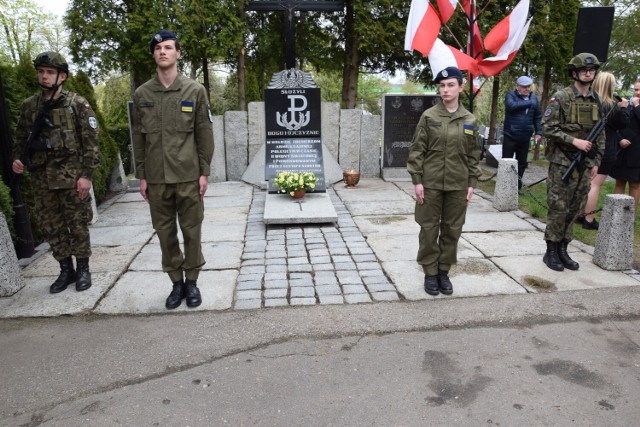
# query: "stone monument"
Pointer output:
{"type": "Point", "coordinates": [400, 116]}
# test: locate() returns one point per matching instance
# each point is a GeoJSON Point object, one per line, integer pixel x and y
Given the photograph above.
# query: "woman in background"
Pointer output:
{"type": "Point", "coordinates": [604, 85]}
{"type": "Point", "coordinates": [627, 168]}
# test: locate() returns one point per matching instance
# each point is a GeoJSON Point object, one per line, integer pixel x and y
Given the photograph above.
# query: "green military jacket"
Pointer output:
{"type": "Point", "coordinates": [172, 131]}
{"type": "Point", "coordinates": [444, 154]}
{"type": "Point", "coordinates": [72, 146]}
{"type": "Point", "coordinates": [571, 115]}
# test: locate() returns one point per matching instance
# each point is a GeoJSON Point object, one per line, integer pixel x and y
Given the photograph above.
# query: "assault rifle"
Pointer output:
{"type": "Point", "coordinates": [580, 156]}
{"type": "Point", "coordinates": [42, 119]}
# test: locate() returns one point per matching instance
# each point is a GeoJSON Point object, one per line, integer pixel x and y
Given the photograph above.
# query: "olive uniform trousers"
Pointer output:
{"type": "Point", "coordinates": [183, 199]}
{"type": "Point", "coordinates": [441, 218]}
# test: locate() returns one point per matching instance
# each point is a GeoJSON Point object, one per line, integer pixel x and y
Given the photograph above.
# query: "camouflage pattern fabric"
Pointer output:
{"type": "Point", "coordinates": [73, 153]}
{"type": "Point", "coordinates": [565, 201]}
{"type": "Point", "coordinates": [74, 147]}
{"type": "Point", "coordinates": [64, 218]}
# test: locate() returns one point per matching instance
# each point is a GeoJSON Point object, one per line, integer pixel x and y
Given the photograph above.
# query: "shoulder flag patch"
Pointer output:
{"type": "Point", "coordinates": [186, 107]}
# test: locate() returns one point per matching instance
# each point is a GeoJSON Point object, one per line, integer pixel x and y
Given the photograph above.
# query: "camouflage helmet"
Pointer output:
{"type": "Point", "coordinates": [51, 59]}
{"type": "Point", "coordinates": [583, 60]}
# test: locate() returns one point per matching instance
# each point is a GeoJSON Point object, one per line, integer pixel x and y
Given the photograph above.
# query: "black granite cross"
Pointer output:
{"type": "Point", "coordinates": [290, 6]}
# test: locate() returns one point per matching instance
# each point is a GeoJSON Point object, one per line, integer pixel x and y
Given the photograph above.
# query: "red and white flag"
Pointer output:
{"type": "Point", "coordinates": [508, 29]}
{"type": "Point", "coordinates": [446, 8]}
{"type": "Point", "coordinates": [423, 27]}
{"type": "Point", "coordinates": [442, 56]}
{"type": "Point", "coordinates": [492, 66]}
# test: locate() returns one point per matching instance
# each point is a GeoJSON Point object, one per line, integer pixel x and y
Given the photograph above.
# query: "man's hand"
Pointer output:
{"type": "Point", "coordinates": [17, 167]}
{"type": "Point", "coordinates": [594, 172]}
{"type": "Point", "coordinates": [143, 189]}
{"type": "Point", "coordinates": [419, 193]}
{"type": "Point", "coordinates": [83, 186]}
{"type": "Point", "coordinates": [624, 143]}
{"type": "Point", "coordinates": [204, 182]}
{"type": "Point", "coordinates": [582, 144]}
{"type": "Point", "coordinates": [469, 194]}
{"type": "Point", "coordinates": [537, 138]}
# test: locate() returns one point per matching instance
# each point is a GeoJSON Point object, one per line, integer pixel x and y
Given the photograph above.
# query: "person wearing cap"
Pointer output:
{"type": "Point", "coordinates": [173, 147]}
{"type": "Point", "coordinates": [522, 118]}
{"type": "Point", "coordinates": [61, 160]}
{"type": "Point", "coordinates": [567, 121]}
{"type": "Point", "coordinates": [444, 167]}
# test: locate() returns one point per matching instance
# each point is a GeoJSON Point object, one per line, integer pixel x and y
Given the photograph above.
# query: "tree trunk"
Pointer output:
{"type": "Point", "coordinates": [495, 94]}
{"type": "Point", "coordinates": [205, 76]}
{"type": "Point", "coordinates": [242, 95]}
{"type": "Point", "coordinates": [351, 61]}
{"type": "Point", "coordinates": [544, 101]}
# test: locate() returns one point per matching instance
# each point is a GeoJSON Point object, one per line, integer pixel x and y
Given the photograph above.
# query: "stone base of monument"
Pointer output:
{"type": "Point", "coordinates": [312, 208]}
{"type": "Point", "coordinates": [395, 174]}
{"type": "Point", "coordinates": [494, 154]}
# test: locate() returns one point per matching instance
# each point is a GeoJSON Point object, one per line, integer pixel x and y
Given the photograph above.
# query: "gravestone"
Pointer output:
{"type": "Point", "coordinates": [293, 144]}
{"type": "Point", "coordinates": [400, 116]}
{"type": "Point", "coordinates": [292, 121]}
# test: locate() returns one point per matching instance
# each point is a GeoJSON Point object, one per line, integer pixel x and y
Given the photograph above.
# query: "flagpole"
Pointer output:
{"type": "Point", "coordinates": [472, 9]}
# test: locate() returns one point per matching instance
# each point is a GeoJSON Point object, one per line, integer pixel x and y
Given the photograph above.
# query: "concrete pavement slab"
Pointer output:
{"type": "Point", "coordinates": [405, 247]}
{"type": "Point", "coordinates": [471, 277]}
{"type": "Point", "coordinates": [130, 213]}
{"type": "Point", "coordinates": [116, 236]}
{"type": "Point", "coordinates": [533, 274]}
{"type": "Point", "coordinates": [387, 225]}
{"type": "Point", "coordinates": [218, 255]}
{"type": "Point", "coordinates": [103, 259]}
{"type": "Point", "coordinates": [376, 206]}
{"type": "Point", "coordinates": [34, 300]}
{"type": "Point", "coordinates": [502, 243]}
{"type": "Point", "coordinates": [145, 293]}
{"type": "Point", "coordinates": [494, 221]}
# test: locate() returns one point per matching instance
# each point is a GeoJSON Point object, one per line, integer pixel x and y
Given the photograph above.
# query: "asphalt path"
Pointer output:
{"type": "Point", "coordinates": [570, 358]}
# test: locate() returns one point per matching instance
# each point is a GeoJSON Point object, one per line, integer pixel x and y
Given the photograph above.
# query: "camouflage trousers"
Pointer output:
{"type": "Point", "coordinates": [64, 219]}
{"type": "Point", "coordinates": [565, 201]}
{"type": "Point", "coordinates": [441, 218]}
{"type": "Point", "coordinates": [183, 199]}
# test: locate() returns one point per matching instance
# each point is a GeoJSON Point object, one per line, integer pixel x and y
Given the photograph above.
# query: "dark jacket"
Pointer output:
{"type": "Point", "coordinates": [617, 121]}
{"type": "Point", "coordinates": [630, 156]}
{"type": "Point", "coordinates": [521, 117]}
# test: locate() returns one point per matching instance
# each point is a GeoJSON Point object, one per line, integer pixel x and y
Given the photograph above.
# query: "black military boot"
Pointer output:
{"type": "Point", "coordinates": [446, 287]}
{"type": "Point", "coordinates": [551, 257]}
{"type": "Point", "coordinates": [192, 293]}
{"type": "Point", "coordinates": [177, 294]}
{"type": "Point", "coordinates": [67, 276]}
{"type": "Point", "coordinates": [431, 285]}
{"type": "Point", "coordinates": [84, 277]}
{"type": "Point", "coordinates": [565, 259]}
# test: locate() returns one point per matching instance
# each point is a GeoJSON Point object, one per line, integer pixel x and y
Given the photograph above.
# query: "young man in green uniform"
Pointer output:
{"type": "Point", "coordinates": [443, 164]}
{"type": "Point", "coordinates": [61, 159]}
{"type": "Point", "coordinates": [173, 146]}
{"type": "Point", "coordinates": [570, 116]}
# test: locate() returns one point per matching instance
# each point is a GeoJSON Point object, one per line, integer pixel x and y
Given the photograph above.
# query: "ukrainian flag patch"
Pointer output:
{"type": "Point", "coordinates": [186, 107]}
{"type": "Point", "coordinates": [468, 129]}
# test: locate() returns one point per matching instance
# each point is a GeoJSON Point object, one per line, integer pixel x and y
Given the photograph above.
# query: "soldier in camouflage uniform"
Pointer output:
{"type": "Point", "coordinates": [173, 143]}
{"type": "Point", "coordinates": [572, 113]}
{"type": "Point", "coordinates": [61, 160]}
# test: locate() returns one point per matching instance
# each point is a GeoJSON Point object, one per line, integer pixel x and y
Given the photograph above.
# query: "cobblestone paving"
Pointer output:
{"type": "Point", "coordinates": [308, 264]}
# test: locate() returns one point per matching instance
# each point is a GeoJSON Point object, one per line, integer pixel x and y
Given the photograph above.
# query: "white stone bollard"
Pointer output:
{"type": "Point", "coordinates": [505, 197]}
{"type": "Point", "coordinates": [118, 180]}
{"type": "Point", "coordinates": [11, 280]}
{"type": "Point", "coordinates": [614, 243]}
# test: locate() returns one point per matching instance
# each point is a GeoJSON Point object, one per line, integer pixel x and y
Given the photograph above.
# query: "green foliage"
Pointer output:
{"type": "Point", "coordinates": [113, 96]}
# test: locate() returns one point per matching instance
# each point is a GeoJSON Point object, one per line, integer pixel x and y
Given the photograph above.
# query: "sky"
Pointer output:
{"type": "Point", "coordinates": [57, 7]}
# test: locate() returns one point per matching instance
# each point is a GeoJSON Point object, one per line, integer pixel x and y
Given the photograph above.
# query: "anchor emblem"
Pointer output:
{"type": "Point", "coordinates": [297, 118]}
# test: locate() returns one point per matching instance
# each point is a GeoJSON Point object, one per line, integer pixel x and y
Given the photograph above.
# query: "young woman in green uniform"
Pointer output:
{"type": "Point", "coordinates": [443, 164]}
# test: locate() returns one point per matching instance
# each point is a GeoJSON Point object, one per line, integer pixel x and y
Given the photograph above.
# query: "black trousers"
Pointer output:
{"type": "Point", "coordinates": [520, 149]}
